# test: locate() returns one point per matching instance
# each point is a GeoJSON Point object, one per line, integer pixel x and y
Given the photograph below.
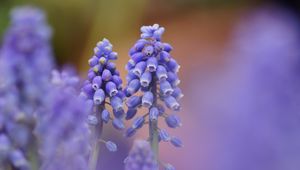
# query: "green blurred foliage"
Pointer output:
{"type": "Point", "coordinates": [79, 24]}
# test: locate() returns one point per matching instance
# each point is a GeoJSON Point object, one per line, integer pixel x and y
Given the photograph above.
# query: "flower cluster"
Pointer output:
{"type": "Point", "coordinates": [27, 54]}
{"type": "Point", "coordinates": [25, 65]}
{"type": "Point", "coordinates": [151, 65]}
{"type": "Point", "coordinates": [141, 157]}
{"type": "Point", "coordinates": [152, 75]}
{"type": "Point", "coordinates": [62, 129]}
{"type": "Point", "coordinates": [104, 82]}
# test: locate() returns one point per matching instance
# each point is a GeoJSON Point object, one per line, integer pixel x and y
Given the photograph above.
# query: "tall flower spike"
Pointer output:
{"type": "Point", "coordinates": [62, 130]}
{"type": "Point", "coordinates": [103, 83]}
{"type": "Point", "coordinates": [141, 157]}
{"type": "Point", "coordinates": [152, 72]}
{"type": "Point", "coordinates": [26, 62]}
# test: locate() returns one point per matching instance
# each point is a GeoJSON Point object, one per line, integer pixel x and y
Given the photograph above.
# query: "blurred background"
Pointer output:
{"type": "Point", "coordinates": [240, 72]}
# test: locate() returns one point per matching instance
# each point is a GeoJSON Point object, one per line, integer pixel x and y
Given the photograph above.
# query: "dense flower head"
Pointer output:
{"type": "Point", "coordinates": [141, 157]}
{"type": "Point", "coordinates": [27, 56]}
{"type": "Point", "coordinates": [152, 74]}
{"type": "Point", "coordinates": [104, 82]}
{"type": "Point", "coordinates": [25, 65]}
{"type": "Point", "coordinates": [62, 129]}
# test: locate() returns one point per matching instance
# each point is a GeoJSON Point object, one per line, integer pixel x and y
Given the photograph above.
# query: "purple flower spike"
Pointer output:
{"type": "Point", "coordinates": [141, 157]}
{"type": "Point", "coordinates": [106, 92]}
{"type": "Point", "coordinates": [64, 119]}
{"type": "Point", "coordinates": [152, 71]}
{"type": "Point", "coordinates": [26, 63]}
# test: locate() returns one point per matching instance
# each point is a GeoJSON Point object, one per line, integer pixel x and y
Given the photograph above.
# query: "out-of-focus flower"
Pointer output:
{"type": "Point", "coordinates": [141, 157]}
{"type": "Point", "coordinates": [152, 78]}
{"type": "Point", "coordinates": [25, 66]}
{"type": "Point", "coordinates": [250, 111]}
{"type": "Point", "coordinates": [62, 129]}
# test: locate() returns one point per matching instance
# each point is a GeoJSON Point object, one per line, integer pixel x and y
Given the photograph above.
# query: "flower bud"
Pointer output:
{"type": "Point", "coordinates": [173, 121]}
{"type": "Point", "coordinates": [111, 146]}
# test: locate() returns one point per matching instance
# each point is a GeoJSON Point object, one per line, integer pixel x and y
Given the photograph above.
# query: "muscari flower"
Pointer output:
{"type": "Point", "coordinates": [26, 62]}
{"type": "Point", "coordinates": [141, 157]}
{"type": "Point", "coordinates": [62, 129]}
{"type": "Point", "coordinates": [104, 81]}
{"type": "Point", "coordinates": [103, 87]}
{"type": "Point", "coordinates": [152, 79]}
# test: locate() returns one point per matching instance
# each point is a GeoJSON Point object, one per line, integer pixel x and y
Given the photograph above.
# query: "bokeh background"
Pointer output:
{"type": "Point", "coordinates": [240, 72]}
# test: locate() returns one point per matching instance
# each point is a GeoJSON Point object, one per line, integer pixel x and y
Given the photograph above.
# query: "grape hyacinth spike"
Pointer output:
{"type": "Point", "coordinates": [103, 89]}
{"type": "Point", "coordinates": [152, 83]}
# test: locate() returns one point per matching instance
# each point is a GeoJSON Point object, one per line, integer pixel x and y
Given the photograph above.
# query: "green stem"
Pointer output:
{"type": "Point", "coordinates": [153, 124]}
{"type": "Point", "coordinates": [96, 132]}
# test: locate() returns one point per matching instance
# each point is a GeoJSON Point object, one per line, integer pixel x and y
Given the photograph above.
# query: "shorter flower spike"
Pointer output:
{"type": "Point", "coordinates": [152, 80]}
{"type": "Point", "coordinates": [141, 157]}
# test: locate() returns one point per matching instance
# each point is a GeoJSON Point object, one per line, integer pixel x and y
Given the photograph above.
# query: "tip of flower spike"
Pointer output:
{"type": "Point", "coordinates": [29, 14]}
{"type": "Point", "coordinates": [152, 32]}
